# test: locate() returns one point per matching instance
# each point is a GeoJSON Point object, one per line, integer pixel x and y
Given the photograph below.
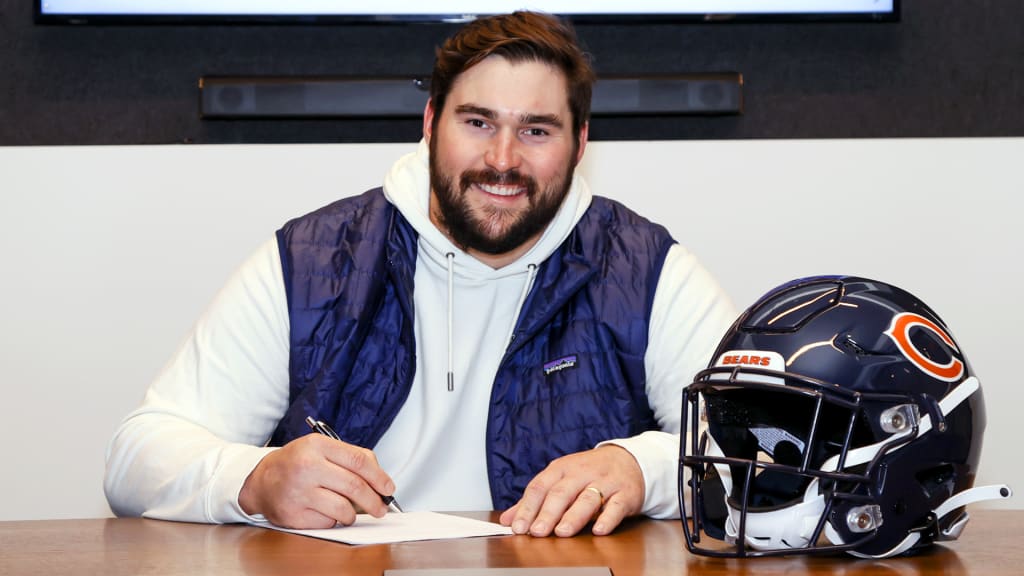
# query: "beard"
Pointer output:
{"type": "Point", "coordinates": [494, 230]}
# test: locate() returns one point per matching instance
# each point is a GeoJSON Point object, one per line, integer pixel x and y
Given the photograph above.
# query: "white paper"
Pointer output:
{"type": "Point", "coordinates": [404, 527]}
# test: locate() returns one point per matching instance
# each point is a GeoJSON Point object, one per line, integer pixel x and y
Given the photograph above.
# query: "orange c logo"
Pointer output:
{"type": "Point", "coordinates": [899, 332]}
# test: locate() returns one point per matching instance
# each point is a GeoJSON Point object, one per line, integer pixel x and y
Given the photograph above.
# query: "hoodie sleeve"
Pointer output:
{"type": "Point", "coordinates": [202, 426]}
{"type": "Point", "coordinates": [689, 316]}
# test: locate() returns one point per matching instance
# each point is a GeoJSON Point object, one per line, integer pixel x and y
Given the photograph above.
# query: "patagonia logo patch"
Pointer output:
{"type": "Point", "coordinates": [559, 364]}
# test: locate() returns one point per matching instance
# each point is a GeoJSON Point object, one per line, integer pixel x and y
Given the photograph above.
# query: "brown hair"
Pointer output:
{"type": "Point", "coordinates": [519, 37]}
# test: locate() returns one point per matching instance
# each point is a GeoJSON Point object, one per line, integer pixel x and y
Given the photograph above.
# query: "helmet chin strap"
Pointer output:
{"type": "Point", "coordinates": [972, 495]}
{"type": "Point", "coordinates": [969, 496]}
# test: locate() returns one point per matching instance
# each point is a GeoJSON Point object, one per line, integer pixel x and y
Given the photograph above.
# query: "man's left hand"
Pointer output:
{"type": "Point", "coordinates": [604, 485]}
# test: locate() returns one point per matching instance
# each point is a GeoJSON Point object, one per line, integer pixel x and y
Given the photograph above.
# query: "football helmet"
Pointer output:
{"type": "Point", "coordinates": [837, 414]}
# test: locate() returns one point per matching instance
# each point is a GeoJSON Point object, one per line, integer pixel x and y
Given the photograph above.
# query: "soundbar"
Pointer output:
{"type": "Point", "coordinates": [226, 97]}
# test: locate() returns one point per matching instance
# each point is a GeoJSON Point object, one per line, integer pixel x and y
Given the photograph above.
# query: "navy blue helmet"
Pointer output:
{"type": "Point", "coordinates": [838, 414]}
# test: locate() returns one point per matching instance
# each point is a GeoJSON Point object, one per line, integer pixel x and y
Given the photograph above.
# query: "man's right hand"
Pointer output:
{"type": "Point", "coordinates": [316, 482]}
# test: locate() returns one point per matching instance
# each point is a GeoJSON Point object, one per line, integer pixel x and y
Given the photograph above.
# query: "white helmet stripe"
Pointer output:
{"type": "Point", "coordinates": [864, 454]}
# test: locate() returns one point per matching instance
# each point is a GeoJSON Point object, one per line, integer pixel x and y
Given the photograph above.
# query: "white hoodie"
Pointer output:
{"type": "Point", "coordinates": [203, 424]}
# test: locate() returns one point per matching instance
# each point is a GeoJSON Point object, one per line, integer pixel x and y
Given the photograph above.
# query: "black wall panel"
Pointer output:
{"type": "Point", "coordinates": [948, 68]}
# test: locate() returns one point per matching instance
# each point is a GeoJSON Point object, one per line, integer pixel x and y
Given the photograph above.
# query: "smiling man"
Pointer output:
{"type": "Point", "coordinates": [503, 157]}
{"type": "Point", "coordinates": [482, 331]}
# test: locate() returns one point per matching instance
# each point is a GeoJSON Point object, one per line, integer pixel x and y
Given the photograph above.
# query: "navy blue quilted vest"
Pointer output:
{"type": "Point", "coordinates": [572, 377]}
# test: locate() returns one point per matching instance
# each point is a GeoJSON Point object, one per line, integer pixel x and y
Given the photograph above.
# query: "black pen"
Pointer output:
{"type": "Point", "coordinates": [322, 427]}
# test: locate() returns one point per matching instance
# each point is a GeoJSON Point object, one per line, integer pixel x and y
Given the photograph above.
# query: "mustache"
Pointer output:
{"type": "Point", "coordinates": [494, 178]}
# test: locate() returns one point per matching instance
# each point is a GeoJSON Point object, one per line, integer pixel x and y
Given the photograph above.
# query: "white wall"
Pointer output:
{"type": "Point", "coordinates": [110, 253]}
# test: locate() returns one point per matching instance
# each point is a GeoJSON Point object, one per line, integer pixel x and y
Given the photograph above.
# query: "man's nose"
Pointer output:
{"type": "Point", "coordinates": [503, 152]}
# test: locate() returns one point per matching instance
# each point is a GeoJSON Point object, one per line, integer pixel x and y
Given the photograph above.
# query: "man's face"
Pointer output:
{"type": "Point", "coordinates": [501, 157]}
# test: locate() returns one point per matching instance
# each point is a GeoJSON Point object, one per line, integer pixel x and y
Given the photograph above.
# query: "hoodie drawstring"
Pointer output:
{"type": "Point", "coordinates": [451, 304]}
{"type": "Point", "coordinates": [531, 271]}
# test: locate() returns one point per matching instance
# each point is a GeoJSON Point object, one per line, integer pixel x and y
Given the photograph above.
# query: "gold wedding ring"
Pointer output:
{"type": "Point", "coordinates": [597, 491]}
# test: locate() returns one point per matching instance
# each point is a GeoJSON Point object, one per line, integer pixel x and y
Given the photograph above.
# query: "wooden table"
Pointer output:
{"type": "Point", "coordinates": [111, 547]}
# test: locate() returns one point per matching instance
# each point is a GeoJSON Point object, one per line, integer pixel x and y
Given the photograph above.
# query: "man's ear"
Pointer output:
{"type": "Point", "coordinates": [584, 134]}
{"type": "Point", "coordinates": [428, 120]}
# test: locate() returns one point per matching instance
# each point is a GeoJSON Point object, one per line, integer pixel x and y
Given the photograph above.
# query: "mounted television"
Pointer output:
{"type": "Point", "coordinates": [382, 11]}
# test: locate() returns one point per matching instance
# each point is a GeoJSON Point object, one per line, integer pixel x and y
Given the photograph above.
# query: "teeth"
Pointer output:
{"type": "Point", "coordinates": [501, 190]}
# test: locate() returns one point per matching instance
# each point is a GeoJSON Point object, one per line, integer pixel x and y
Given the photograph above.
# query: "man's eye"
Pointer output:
{"type": "Point", "coordinates": [477, 123]}
{"type": "Point", "coordinates": [536, 132]}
